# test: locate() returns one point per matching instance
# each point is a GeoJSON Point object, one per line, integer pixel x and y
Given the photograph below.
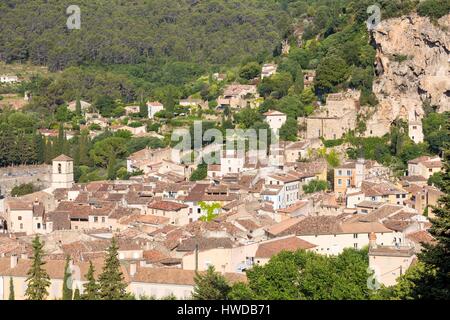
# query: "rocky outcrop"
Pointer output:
{"type": "Point", "coordinates": [413, 65]}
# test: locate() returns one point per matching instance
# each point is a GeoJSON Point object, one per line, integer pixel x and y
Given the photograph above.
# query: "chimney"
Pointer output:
{"type": "Point", "coordinates": [372, 240]}
{"type": "Point", "coordinates": [14, 261]}
{"type": "Point", "coordinates": [133, 269]}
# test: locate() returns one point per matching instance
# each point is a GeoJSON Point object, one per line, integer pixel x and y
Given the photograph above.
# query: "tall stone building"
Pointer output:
{"type": "Point", "coordinates": [62, 172]}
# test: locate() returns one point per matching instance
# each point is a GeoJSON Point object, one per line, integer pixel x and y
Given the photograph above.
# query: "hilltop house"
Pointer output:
{"type": "Point", "coordinates": [153, 108]}
{"type": "Point", "coordinates": [424, 166]}
{"type": "Point", "coordinates": [275, 119]}
{"type": "Point", "coordinates": [236, 96]}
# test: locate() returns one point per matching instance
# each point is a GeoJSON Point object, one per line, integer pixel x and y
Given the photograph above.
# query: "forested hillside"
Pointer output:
{"type": "Point", "coordinates": [130, 32]}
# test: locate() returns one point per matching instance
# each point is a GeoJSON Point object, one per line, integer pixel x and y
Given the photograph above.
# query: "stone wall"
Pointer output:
{"type": "Point", "coordinates": [39, 175]}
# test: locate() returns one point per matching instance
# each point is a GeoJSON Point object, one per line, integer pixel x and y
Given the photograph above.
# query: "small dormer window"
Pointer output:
{"type": "Point", "coordinates": [59, 168]}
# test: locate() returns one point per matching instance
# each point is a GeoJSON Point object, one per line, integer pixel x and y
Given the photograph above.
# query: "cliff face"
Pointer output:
{"type": "Point", "coordinates": [413, 65]}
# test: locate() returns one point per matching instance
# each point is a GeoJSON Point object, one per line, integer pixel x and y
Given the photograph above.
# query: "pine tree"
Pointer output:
{"type": "Point", "coordinates": [91, 287]}
{"type": "Point", "coordinates": [67, 291]}
{"type": "Point", "coordinates": [434, 281]}
{"type": "Point", "coordinates": [11, 289]}
{"type": "Point", "coordinates": [76, 294]}
{"type": "Point", "coordinates": [111, 281]}
{"type": "Point", "coordinates": [38, 280]}
{"type": "Point", "coordinates": [210, 286]}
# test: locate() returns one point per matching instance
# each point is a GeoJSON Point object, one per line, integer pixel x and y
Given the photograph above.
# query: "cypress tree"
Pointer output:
{"type": "Point", "coordinates": [111, 169]}
{"type": "Point", "coordinates": [143, 110]}
{"type": "Point", "coordinates": [78, 107]}
{"type": "Point", "coordinates": [111, 281]}
{"type": "Point", "coordinates": [76, 294]}
{"type": "Point", "coordinates": [38, 280]}
{"type": "Point", "coordinates": [91, 287]}
{"type": "Point", "coordinates": [11, 289]}
{"type": "Point", "coordinates": [67, 291]}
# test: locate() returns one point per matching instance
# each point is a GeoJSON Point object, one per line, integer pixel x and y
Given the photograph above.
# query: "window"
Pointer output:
{"type": "Point", "coordinates": [339, 182]}
{"type": "Point", "coordinates": [349, 172]}
{"type": "Point", "coordinates": [59, 168]}
{"type": "Point", "coordinates": [38, 225]}
{"type": "Point", "coordinates": [339, 172]}
{"type": "Point", "coordinates": [355, 236]}
{"type": "Point", "coordinates": [21, 226]}
{"type": "Point", "coordinates": [355, 245]}
{"type": "Point", "coordinates": [19, 218]}
{"type": "Point", "coordinates": [348, 182]}
{"type": "Point", "coordinates": [95, 219]}
{"type": "Point", "coordinates": [103, 219]}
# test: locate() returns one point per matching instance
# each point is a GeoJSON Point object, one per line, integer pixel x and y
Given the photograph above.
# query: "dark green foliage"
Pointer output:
{"type": "Point", "coordinates": [332, 143]}
{"type": "Point", "coordinates": [433, 8]}
{"type": "Point", "coordinates": [250, 71]}
{"type": "Point", "coordinates": [315, 186]}
{"type": "Point", "coordinates": [11, 289]}
{"type": "Point", "coordinates": [76, 294]}
{"type": "Point", "coordinates": [276, 86]}
{"type": "Point", "coordinates": [38, 280]}
{"type": "Point", "coordinates": [183, 31]}
{"type": "Point", "coordinates": [332, 71]}
{"type": "Point", "coordinates": [307, 276]}
{"type": "Point", "coordinates": [435, 131]}
{"type": "Point", "coordinates": [247, 118]}
{"type": "Point", "coordinates": [437, 180]}
{"type": "Point", "coordinates": [210, 285]}
{"type": "Point", "coordinates": [91, 288]}
{"type": "Point", "coordinates": [200, 173]}
{"type": "Point", "coordinates": [111, 281]}
{"type": "Point", "coordinates": [23, 189]}
{"type": "Point", "coordinates": [67, 292]}
{"type": "Point", "coordinates": [289, 130]}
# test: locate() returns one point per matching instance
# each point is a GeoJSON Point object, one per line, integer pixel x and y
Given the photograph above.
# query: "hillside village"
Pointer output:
{"type": "Point", "coordinates": [334, 175]}
{"type": "Point", "coordinates": [165, 226]}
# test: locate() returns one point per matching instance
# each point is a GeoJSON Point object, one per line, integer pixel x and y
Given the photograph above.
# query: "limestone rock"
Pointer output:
{"type": "Point", "coordinates": [413, 65]}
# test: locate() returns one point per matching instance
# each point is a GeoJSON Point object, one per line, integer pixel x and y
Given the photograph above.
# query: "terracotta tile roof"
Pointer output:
{"type": "Point", "coordinates": [60, 219]}
{"type": "Point", "coordinates": [421, 236]}
{"type": "Point", "coordinates": [19, 204]}
{"type": "Point", "coordinates": [144, 219]}
{"type": "Point", "coordinates": [154, 256]}
{"type": "Point", "coordinates": [248, 224]}
{"type": "Point", "coordinates": [167, 205]}
{"type": "Point", "coordinates": [273, 113]}
{"type": "Point", "coordinates": [291, 243]}
{"type": "Point", "coordinates": [204, 243]}
{"type": "Point", "coordinates": [391, 251]}
{"type": "Point", "coordinates": [381, 213]}
{"type": "Point", "coordinates": [397, 225]}
{"type": "Point", "coordinates": [298, 205]}
{"type": "Point", "coordinates": [63, 157]}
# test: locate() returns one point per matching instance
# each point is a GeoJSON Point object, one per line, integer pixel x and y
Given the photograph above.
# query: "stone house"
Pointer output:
{"type": "Point", "coordinates": [424, 166]}
{"type": "Point", "coordinates": [335, 119]}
